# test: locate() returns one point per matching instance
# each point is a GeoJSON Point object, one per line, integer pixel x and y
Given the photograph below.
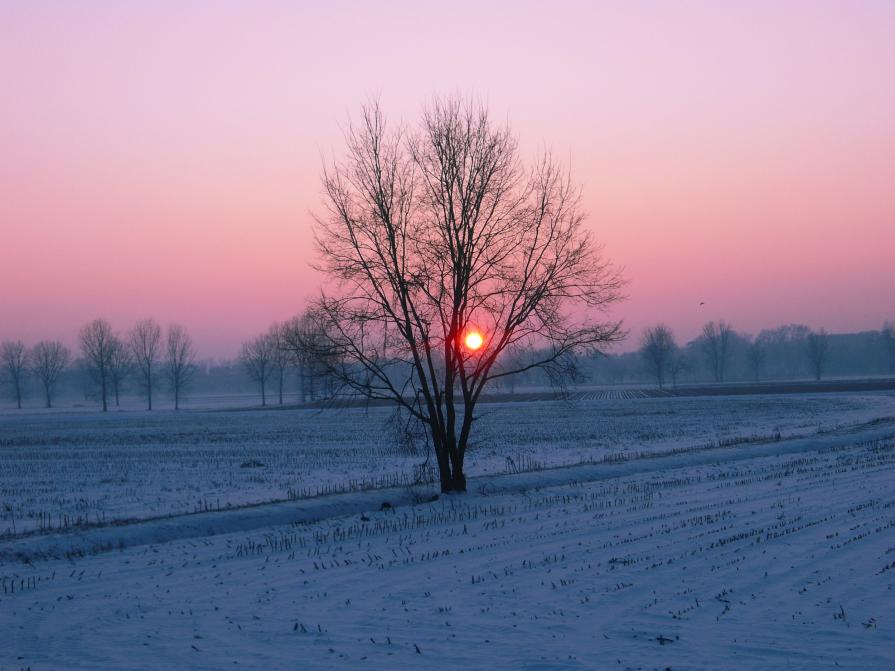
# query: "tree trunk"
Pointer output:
{"type": "Point", "coordinates": [452, 478]}
{"type": "Point", "coordinates": [457, 482]}
{"type": "Point", "coordinates": [449, 455]}
{"type": "Point", "coordinates": [457, 479]}
{"type": "Point", "coordinates": [444, 469]}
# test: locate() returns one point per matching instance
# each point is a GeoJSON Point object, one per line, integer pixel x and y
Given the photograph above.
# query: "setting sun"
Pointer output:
{"type": "Point", "coordinates": [473, 340]}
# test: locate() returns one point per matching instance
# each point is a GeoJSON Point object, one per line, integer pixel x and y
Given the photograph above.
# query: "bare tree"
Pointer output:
{"type": "Point", "coordinates": [657, 347]}
{"type": "Point", "coordinates": [14, 358]}
{"type": "Point", "coordinates": [786, 346]}
{"type": "Point", "coordinates": [446, 251]}
{"type": "Point", "coordinates": [756, 355]}
{"type": "Point", "coordinates": [180, 361]}
{"type": "Point", "coordinates": [257, 357]}
{"type": "Point", "coordinates": [309, 352]}
{"type": "Point", "coordinates": [282, 360]}
{"type": "Point", "coordinates": [512, 359]}
{"type": "Point", "coordinates": [817, 345]}
{"type": "Point", "coordinates": [680, 364]}
{"type": "Point", "coordinates": [145, 344]}
{"type": "Point", "coordinates": [97, 345]}
{"type": "Point", "coordinates": [296, 341]}
{"type": "Point", "coordinates": [49, 359]}
{"type": "Point", "coordinates": [715, 345]}
{"type": "Point", "coordinates": [120, 364]}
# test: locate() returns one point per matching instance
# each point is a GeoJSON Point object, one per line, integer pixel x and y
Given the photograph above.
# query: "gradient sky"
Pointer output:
{"type": "Point", "coordinates": [161, 158]}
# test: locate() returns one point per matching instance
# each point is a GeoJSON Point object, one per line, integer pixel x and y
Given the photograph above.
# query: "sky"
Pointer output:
{"type": "Point", "coordinates": [163, 158]}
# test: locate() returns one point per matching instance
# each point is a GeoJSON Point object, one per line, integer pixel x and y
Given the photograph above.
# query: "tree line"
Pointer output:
{"type": "Point", "coordinates": [283, 360]}
{"type": "Point", "coordinates": [153, 358]}
{"type": "Point", "coordinates": [158, 360]}
{"type": "Point", "coordinates": [287, 347]}
{"type": "Point", "coordinates": [782, 352]}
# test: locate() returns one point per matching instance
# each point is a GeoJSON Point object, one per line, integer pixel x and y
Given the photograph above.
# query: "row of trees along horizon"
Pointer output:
{"type": "Point", "coordinates": [783, 353]}
{"type": "Point", "coordinates": [147, 361]}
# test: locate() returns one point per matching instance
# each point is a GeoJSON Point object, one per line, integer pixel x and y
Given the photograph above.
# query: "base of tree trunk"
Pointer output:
{"type": "Point", "coordinates": [455, 483]}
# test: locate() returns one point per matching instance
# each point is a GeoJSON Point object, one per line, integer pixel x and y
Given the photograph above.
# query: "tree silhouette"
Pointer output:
{"type": "Point", "coordinates": [257, 357]}
{"type": "Point", "coordinates": [14, 360]}
{"type": "Point", "coordinates": [716, 346]}
{"type": "Point", "coordinates": [657, 347]}
{"type": "Point", "coordinates": [98, 346]}
{"type": "Point", "coordinates": [49, 358]}
{"type": "Point", "coordinates": [180, 361]}
{"type": "Point", "coordinates": [438, 230]}
{"type": "Point", "coordinates": [817, 347]}
{"type": "Point", "coordinates": [145, 344]}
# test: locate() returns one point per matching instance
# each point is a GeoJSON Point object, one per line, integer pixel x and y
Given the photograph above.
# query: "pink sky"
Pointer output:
{"type": "Point", "coordinates": [162, 159]}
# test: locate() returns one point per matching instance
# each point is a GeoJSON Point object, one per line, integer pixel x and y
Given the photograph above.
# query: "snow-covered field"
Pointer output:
{"type": "Point", "coordinates": [65, 469]}
{"type": "Point", "coordinates": [775, 555]}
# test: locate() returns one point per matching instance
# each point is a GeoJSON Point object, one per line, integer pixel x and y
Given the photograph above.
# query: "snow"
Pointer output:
{"type": "Point", "coordinates": [119, 535]}
{"type": "Point", "coordinates": [773, 554]}
{"type": "Point", "coordinates": [656, 533]}
{"type": "Point", "coordinates": [59, 470]}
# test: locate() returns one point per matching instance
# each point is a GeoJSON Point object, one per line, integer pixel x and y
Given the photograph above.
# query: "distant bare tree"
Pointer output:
{"type": "Point", "coordinates": [145, 344]}
{"type": "Point", "coordinates": [49, 359]}
{"type": "Point", "coordinates": [756, 355]}
{"type": "Point", "coordinates": [438, 236]}
{"type": "Point", "coordinates": [294, 342]}
{"type": "Point", "coordinates": [14, 358]}
{"type": "Point", "coordinates": [657, 347]}
{"type": "Point", "coordinates": [282, 360]}
{"type": "Point", "coordinates": [680, 364]}
{"type": "Point", "coordinates": [513, 359]}
{"type": "Point", "coordinates": [97, 345]}
{"type": "Point", "coordinates": [257, 357]}
{"type": "Point", "coordinates": [310, 354]}
{"type": "Point", "coordinates": [888, 336]}
{"type": "Point", "coordinates": [715, 345]}
{"type": "Point", "coordinates": [180, 361]}
{"type": "Point", "coordinates": [817, 346]}
{"type": "Point", "coordinates": [120, 366]}
{"type": "Point", "coordinates": [786, 344]}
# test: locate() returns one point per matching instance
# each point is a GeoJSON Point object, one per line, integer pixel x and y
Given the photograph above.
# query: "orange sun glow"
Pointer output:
{"type": "Point", "coordinates": [473, 340]}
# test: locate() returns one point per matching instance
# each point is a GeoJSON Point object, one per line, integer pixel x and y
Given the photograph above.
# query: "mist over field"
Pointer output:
{"type": "Point", "coordinates": [537, 336]}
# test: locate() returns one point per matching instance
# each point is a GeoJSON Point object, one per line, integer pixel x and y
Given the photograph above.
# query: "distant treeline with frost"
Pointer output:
{"type": "Point", "coordinates": [720, 354]}
{"type": "Point", "coordinates": [790, 352]}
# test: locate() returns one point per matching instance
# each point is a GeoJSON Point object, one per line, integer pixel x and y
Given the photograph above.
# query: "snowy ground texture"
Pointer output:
{"type": "Point", "coordinates": [65, 469]}
{"type": "Point", "coordinates": [776, 555]}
